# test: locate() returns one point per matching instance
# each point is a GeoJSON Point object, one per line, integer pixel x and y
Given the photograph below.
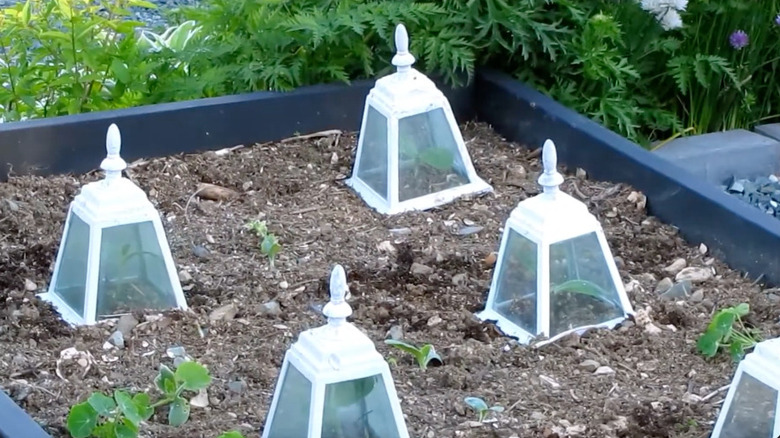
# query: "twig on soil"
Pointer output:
{"type": "Point", "coordinates": [714, 393]}
{"type": "Point", "coordinates": [577, 189]}
{"type": "Point", "coordinates": [187, 205]}
{"type": "Point", "coordinates": [302, 283]}
{"type": "Point", "coordinates": [306, 210]}
{"type": "Point", "coordinates": [757, 280]}
{"type": "Point", "coordinates": [607, 193]}
{"type": "Point", "coordinates": [319, 134]}
{"type": "Point", "coordinates": [40, 388]}
{"type": "Point", "coordinates": [513, 405]}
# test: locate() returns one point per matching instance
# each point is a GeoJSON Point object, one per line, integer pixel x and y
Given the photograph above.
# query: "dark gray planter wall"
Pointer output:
{"type": "Point", "coordinates": [15, 423]}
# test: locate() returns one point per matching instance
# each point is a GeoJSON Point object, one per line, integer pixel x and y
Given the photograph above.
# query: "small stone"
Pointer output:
{"type": "Point", "coordinates": [676, 266]}
{"type": "Point", "coordinates": [603, 370]}
{"type": "Point", "coordinates": [702, 249]}
{"type": "Point", "coordinates": [200, 251]}
{"type": "Point", "coordinates": [237, 386]}
{"type": "Point", "coordinates": [224, 313]}
{"type": "Point", "coordinates": [550, 381]}
{"type": "Point", "coordinates": [334, 158]}
{"type": "Point", "coordinates": [773, 298]}
{"type": "Point", "coordinates": [420, 269]}
{"type": "Point", "coordinates": [271, 308]}
{"type": "Point", "coordinates": [619, 263]}
{"type": "Point", "coordinates": [117, 339]}
{"type": "Point", "coordinates": [689, 398]}
{"type": "Point", "coordinates": [284, 284]}
{"type": "Point", "coordinates": [126, 324]}
{"type": "Point", "coordinates": [694, 274]}
{"type": "Point", "coordinates": [490, 259]}
{"type": "Point", "coordinates": [590, 365]}
{"type": "Point", "coordinates": [175, 351]}
{"type": "Point", "coordinates": [633, 286]}
{"type": "Point", "coordinates": [581, 173]}
{"type": "Point", "coordinates": [401, 231]}
{"type": "Point", "coordinates": [538, 416]}
{"type": "Point", "coordinates": [460, 279]}
{"type": "Point", "coordinates": [664, 285]}
{"type": "Point", "coordinates": [30, 285]}
{"type": "Point", "coordinates": [679, 290]}
{"type": "Point", "coordinates": [396, 333]}
{"type": "Point", "coordinates": [697, 297]}
{"type": "Point", "coordinates": [178, 360]}
{"type": "Point", "coordinates": [434, 320]}
{"type": "Point", "coordinates": [184, 276]}
{"type": "Point", "coordinates": [652, 329]}
{"type": "Point", "coordinates": [466, 231]}
{"type": "Point", "coordinates": [201, 400]}
{"type": "Point", "coordinates": [386, 246]}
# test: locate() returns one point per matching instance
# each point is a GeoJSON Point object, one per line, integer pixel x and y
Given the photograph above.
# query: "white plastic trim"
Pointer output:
{"type": "Point", "coordinates": [109, 202]}
{"type": "Point", "coordinates": [402, 94]}
{"type": "Point", "coordinates": [546, 219]}
{"type": "Point", "coordinates": [335, 352]}
{"type": "Point", "coordinates": [764, 365]}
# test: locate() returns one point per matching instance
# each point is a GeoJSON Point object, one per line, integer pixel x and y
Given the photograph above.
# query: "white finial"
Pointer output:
{"type": "Point", "coordinates": [337, 310]}
{"type": "Point", "coordinates": [403, 60]}
{"type": "Point", "coordinates": [113, 164]}
{"type": "Point", "coordinates": [550, 179]}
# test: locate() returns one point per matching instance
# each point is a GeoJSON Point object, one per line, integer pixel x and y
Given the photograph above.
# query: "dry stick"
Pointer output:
{"type": "Point", "coordinates": [186, 217]}
{"type": "Point", "coordinates": [319, 134]}
{"type": "Point", "coordinates": [714, 393]}
{"type": "Point", "coordinates": [306, 210]}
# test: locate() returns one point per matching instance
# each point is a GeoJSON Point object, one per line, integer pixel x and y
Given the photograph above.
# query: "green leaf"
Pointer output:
{"type": "Point", "coordinates": [125, 429]}
{"type": "Point", "coordinates": [742, 309]}
{"type": "Point", "coordinates": [737, 350]}
{"type": "Point", "coordinates": [82, 419]}
{"type": "Point", "coordinates": [585, 287]}
{"type": "Point", "coordinates": [270, 246]}
{"type": "Point", "coordinates": [143, 403]}
{"type": "Point", "coordinates": [437, 157]}
{"type": "Point", "coordinates": [101, 403]}
{"type": "Point", "coordinates": [231, 434]}
{"type": "Point", "coordinates": [193, 376]}
{"type": "Point", "coordinates": [179, 412]}
{"type": "Point", "coordinates": [431, 355]}
{"type": "Point", "coordinates": [476, 403]}
{"type": "Point", "coordinates": [708, 343]}
{"type": "Point", "coordinates": [403, 346]}
{"type": "Point", "coordinates": [128, 407]}
{"type": "Point", "coordinates": [165, 380]}
{"type": "Point", "coordinates": [120, 70]}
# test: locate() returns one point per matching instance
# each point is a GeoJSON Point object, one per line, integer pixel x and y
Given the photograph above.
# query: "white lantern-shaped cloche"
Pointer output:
{"type": "Point", "coordinates": [752, 405]}
{"type": "Point", "coordinates": [555, 272]}
{"type": "Point", "coordinates": [411, 154]}
{"type": "Point", "coordinates": [114, 257]}
{"type": "Point", "coordinates": [333, 383]}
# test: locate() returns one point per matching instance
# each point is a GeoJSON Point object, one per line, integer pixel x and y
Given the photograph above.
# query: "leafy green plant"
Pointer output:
{"type": "Point", "coordinates": [232, 434]}
{"type": "Point", "coordinates": [269, 244]}
{"type": "Point", "coordinates": [101, 416]}
{"type": "Point", "coordinates": [424, 355]}
{"type": "Point", "coordinates": [481, 408]}
{"type": "Point", "coordinates": [585, 287]}
{"type": "Point", "coordinates": [727, 331]}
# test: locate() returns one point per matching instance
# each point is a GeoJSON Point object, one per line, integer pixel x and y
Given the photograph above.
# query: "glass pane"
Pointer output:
{"type": "Point", "coordinates": [71, 281]}
{"type": "Point", "coordinates": [751, 413]}
{"type": "Point", "coordinates": [357, 409]}
{"type": "Point", "coordinates": [428, 157]}
{"type": "Point", "coordinates": [515, 295]}
{"type": "Point", "coordinates": [291, 416]}
{"type": "Point", "coordinates": [133, 275]}
{"type": "Point", "coordinates": [581, 288]}
{"type": "Point", "coordinates": [372, 168]}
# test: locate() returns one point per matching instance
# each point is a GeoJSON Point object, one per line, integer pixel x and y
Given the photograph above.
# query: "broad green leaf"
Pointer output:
{"type": "Point", "coordinates": [432, 355]}
{"type": "Point", "coordinates": [403, 346]}
{"type": "Point", "coordinates": [165, 380]}
{"type": "Point", "coordinates": [142, 4]}
{"type": "Point", "coordinates": [193, 376]}
{"type": "Point", "coordinates": [128, 407]}
{"type": "Point", "coordinates": [101, 403]}
{"type": "Point", "coordinates": [143, 403]}
{"type": "Point", "coordinates": [25, 14]}
{"type": "Point", "coordinates": [742, 309]}
{"type": "Point", "coordinates": [82, 419]}
{"type": "Point", "coordinates": [121, 72]}
{"type": "Point", "coordinates": [737, 350]}
{"type": "Point", "coordinates": [105, 430]}
{"type": "Point", "coordinates": [231, 434]}
{"type": "Point", "coordinates": [179, 412]}
{"type": "Point", "coordinates": [708, 343]}
{"type": "Point", "coordinates": [125, 429]}
{"type": "Point", "coordinates": [476, 403]}
{"type": "Point", "coordinates": [64, 7]}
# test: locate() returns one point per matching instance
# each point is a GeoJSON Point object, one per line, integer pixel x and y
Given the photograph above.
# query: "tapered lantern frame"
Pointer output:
{"type": "Point", "coordinates": [114, 256]}
{"type": "Point", "coordinates": [752, 406]}
{"type": "Point", "coordinates": [555, 273]}
{"type": "Point", "coordinates": [333, 383]}
{"type": "Point", "coordinates": [411, 154]}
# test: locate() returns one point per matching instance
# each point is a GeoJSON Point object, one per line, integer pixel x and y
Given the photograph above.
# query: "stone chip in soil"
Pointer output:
{"type": "Point", "coordinates": [431, 275]}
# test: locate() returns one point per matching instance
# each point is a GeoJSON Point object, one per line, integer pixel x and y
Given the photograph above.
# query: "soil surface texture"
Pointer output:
{"type": "Point", "coordinates": [419, 275]}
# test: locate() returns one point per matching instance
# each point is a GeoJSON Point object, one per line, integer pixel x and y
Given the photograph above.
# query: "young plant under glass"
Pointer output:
{"type": "Point", "coordinates": [333, 382]}
{"type": "Point", "coordinates": [555, 272]}
{"type": "Point", "coordinates": [114, 257]}
{"type": "Point", "coordinates": [411, 154]}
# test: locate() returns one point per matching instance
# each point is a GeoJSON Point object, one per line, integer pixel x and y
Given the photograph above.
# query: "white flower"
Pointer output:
{"type": "Point", "coordinates": [679, 5]}
{"type": "Point", "coordinates": [671, 20]}
{"type": "Point", "coordinates": [651, 5]}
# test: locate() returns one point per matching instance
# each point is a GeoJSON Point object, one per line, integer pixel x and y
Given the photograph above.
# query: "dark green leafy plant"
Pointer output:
{"type": "Point", "coordinates": [727, 331]}
{"type": "Point", "coordinates": [423, 355]}
{"type": "Point", "coordinates": [120, 416]}
{"type": "Point", "coordinates": [481, 407]}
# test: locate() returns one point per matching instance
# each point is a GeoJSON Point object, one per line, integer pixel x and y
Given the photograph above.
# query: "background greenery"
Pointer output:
{"type": "Point", "coordinates": [609, 59]}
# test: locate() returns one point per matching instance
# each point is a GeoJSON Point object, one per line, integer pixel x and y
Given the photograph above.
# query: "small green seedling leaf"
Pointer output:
{"type": "Point", "coordinates": [82, 420]}
{"type": "Point", "coordinates": [727, 330]}
{"type": "Point", "coordinates": [165, 380]}
{"type": "Point", "coordinates": [128, 407]}
{"type": "Point", "coordinates": [179, 412]}
{"type": "Point", "coordinates": [102, 404]}
{"type": "Point", "coordinates": [270, 246]}
{"type": "Point", "coordinates": [231, 434]}
{"type": "Point", "coordinates": [476, 403]}
{"type": "Point", "coordinates": [423, 355]}
{"type": "Point", "coordinates": [193, 376]}
{"type": "Point", "coordinates": [125, 429]}
{"type": "Point", "coordinates": [143, 404]}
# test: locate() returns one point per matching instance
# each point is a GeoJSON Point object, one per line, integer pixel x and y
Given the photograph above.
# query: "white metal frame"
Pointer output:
{"type": "Point", "coordinates": [402, 94]}
{"type": "Point", "coordinates": [336, 352]}
{"type": "Point", "coordinates": [763, 364]}
{"type": "Point", "coordinates": [546, 219]}
{"type": "Point", "coordinates": [110, 202]}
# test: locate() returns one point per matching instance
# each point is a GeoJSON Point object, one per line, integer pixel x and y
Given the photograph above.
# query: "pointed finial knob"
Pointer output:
{"type": "Point", "coordinates": [403, 60]}
{"type": "Point", "coordinates": [550, 179]}
{"type": "Point", "coordinates": [337, 310]}
{"type": "Point", "coordinates": [113, 164]}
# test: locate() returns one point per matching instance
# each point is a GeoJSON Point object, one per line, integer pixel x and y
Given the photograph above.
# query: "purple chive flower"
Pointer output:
{"type": "Point", "coordinates": [777, 20]}
{"type": "Point", "coordinates": [739, 39]}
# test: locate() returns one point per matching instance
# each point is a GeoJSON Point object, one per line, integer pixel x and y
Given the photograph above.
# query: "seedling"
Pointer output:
{"type": "Point", "coordinates": [423, 355]}
{"type": "Point", "coordinates": [481, 408]}
{"type": "Point", "coordinates": [101, 416]}
{"type": "Point", "coordinates": [231, 434]}
{"type": "Point", "coordinates": [269, 245]}
{"type": "Point", "coordinates": [727, 330]}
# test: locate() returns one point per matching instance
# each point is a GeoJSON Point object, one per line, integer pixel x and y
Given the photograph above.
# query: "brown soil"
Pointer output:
{"type": "Point", "coordinates": [297, 187]}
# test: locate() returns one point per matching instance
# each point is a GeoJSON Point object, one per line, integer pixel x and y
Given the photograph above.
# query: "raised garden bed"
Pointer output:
{"type": "Point", "coordinates": [429, 284]}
